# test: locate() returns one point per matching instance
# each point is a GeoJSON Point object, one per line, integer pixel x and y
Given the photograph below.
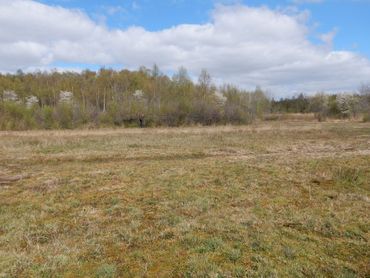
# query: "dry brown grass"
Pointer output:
{"type": "Point", "coordinates": [291, 117]}
{"type": "Point", "coordinates": [284, 198]}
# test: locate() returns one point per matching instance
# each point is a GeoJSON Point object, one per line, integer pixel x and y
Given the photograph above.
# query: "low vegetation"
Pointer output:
{"type": "Point", "coordinates": [274, 199]}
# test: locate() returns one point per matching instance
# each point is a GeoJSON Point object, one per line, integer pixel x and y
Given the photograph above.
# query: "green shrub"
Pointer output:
{"type": "Point", "coordinates": [47, 117]}
{"type": "Point", "coordinates": [64, 115]}
{"type": "Point", "coordinates": [15, 116]}
{"type": "Point", "coordinates": [106, 118]}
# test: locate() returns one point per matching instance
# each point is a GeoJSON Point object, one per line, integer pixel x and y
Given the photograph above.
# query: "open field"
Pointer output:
{"type": "Point", "coordinates": [269, 200]}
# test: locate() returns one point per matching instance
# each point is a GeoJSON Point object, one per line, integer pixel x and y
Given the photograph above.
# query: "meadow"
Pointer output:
{"type": "Point", "coordinates": [271, 199]}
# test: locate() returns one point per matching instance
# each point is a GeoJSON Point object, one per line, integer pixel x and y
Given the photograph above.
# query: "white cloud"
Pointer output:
{"type": "Point", "coordinates": [328, 38]}
{"type": "Point", "coordinates": [112, 10]}
{"type": "Point", "coordinates": [307, 1]}
{"type": "Point", "coordinates": [243, 45]}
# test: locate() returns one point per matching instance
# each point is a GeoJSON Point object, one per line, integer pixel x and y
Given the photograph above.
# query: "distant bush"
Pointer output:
{"type": "Point", "coordinates": [63, 115]}
{"type": "Point", "coordinates": [272, 117]}
{"type": "Point", "coordinates": [15, 116]}
{"type": "Point", "coordinates": [321, 117]}
{"type": "Point", "coordinates": [105, 118]}
{"type": "Point", "coordinates": [46, 119]}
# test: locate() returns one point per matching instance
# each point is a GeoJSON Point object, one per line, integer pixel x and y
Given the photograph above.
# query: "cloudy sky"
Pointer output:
{"type": "Point", "coordinates": [285, 46]}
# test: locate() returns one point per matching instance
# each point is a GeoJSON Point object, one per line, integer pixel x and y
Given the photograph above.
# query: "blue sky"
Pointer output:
{"type": "Point", "coordinates": [349, 18]}
{"type": "Point", "coordinates": [286, 46]}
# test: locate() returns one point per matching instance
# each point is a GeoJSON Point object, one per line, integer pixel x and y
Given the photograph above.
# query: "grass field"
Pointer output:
{"type": "Point", "coordinates": [277, 199]}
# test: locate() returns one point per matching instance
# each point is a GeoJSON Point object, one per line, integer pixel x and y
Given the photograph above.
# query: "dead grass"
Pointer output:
{"type": "Point", "coordinates": [269, 200]}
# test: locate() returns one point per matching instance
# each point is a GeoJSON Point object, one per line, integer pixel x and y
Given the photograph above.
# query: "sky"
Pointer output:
{"type": "Point", "coordinates": [285, 47]}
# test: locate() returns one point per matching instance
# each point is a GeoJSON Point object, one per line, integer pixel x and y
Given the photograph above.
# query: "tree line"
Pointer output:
{"type": "Point", "coordinates": [341, 106]}
{"type": "Point", "coordinates": [48, 100]}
